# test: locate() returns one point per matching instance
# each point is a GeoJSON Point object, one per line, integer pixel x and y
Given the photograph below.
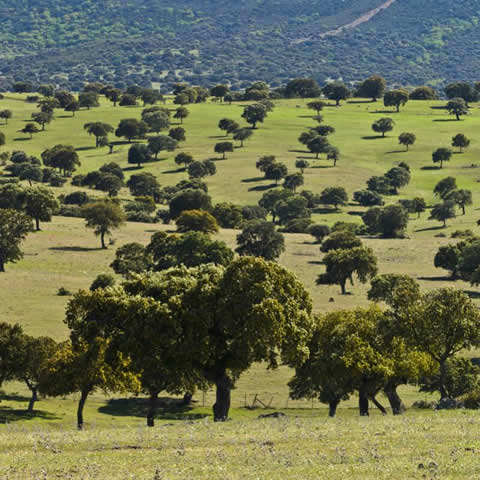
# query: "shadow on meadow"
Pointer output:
{"type": "Point", "coordinates": [9, 414]}
{"type": "Point", "coordinates": [168, 409]}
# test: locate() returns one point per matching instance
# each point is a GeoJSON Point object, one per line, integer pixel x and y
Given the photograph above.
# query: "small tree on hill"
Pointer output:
{"type": "Point", "coordinates": [461, 197]}
{"type": "Point", "coordinates": [139, 154]}
{"type": "Point", "coordinates": [407, 139]}
{"type": "Point", "coordinates": [302, 165]}
{"type": "Point", "coordinates": [461, 141]}
{"type": "Point", "coordinates": [184, 159]}
{"type": "Point", "coordinates": [383, 125]}
{"type": "Point", "coordinates": [98, 130]}
{"type": "Point", "coordinates": [317, 105]}
{"type": "Point", "coordinates": [444, 187]}
{"type": "Point", "coordinates": [242, 134]}
{"type": "Point", "coordinates": [398, 178]}
{"type": "Point", "coordinates": [196, 221]}
{"type": "Point", "coordinates": [395, 98]}
{"type": "Point", "coordinates": [254, 114]}
{"type": "Point", "coordinates": [457, 107]}
{"type": "Point", "coordinates": [161, 143]}
{"type": "Point", "coordinates": [293, 181]}
{"type": "Point", "coordinates": [6, 115]}
{"type": "Point", "coordinates": [260, 239]}
{"type": "Point", "coordinates": [181, 114]}
{"type": "Point", "coordinates": [14, 228]}
{"type": "Point", "coordinates": [276, 171]}
{"type": "Point", "coordinates": [336, 91]}
{"type": "Point", "coordinates": [30, 129]}
{"type": "Point", "coordinates": [373, 87]}
{"type": "Point", "coordinates": [41, 205]}
{"type": "Point", "coordinates": [336, 196]}
{"type": "Point", "coordinates": [318, 145]}
{"type": "Point", "coordinates": [103, 217]}
{"type": "Point", "coordinates": [441, 155]}
{"type": "Point", "coordinates": [131, 128]}
{"type": "Point", "coordinates": [88, 100]}
{"type": "Point", "coordinates": [223, 148]}
{"type": "Point", "coordinates": [443, 211]}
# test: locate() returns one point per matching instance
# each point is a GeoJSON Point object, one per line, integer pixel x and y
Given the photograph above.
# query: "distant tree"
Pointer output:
{"type": "Point", "coordinates": [380, 185]}
{"type": "Point", "coordinates": [184, 159]}
{"type": "Point", "coordinates": [128, 100]}
{"type": "Point", "coordinates": [103, 280]}
{"type": "Point", "coordinates": [113, 168]}
{"type": "Point", "coordinates": [6, 115]}
{"type": "Point", "coordinates": [373, 87]}
{"type": "Point", "coordinates": [341, 265]}
{"type": "Point", "coordinates": [461, 90]}
{"type": "Point", "coordinates": [46, 90]}
{"type": "Point", "coordinates": [398, 177]}
{"type": "Point", "coordinates": [264, 162]}
{"type": "Point", "coordinates": [2, 139]}
{"type": "Point", "coordinates": [444, 187]}
{"type": "Point", "coordinates": [114, 95]}
{"type": "Point", "coordinates": [189, 200]}
{"type": "Point", "coordinates": [336, 196]}
{"type": "Point", "coordinates": [107, 182]}
{"type": "Point", "coordinates": [200, 169]}
{"type": "Point", "coordinates": [98, 130]}
{"type": "Point", "coordinates": [276, 171]}
{"type": "Point", "coordinates": [324, 130]}
{"type": "Point", "coordinates": [130, 259]}
{"type": "Point", "coordinates": [319, 232]}
{"type": "Point", "coordinates": [181, 114]}
{"type": "Point", "coordinates": [40, 204]}
{"type": "Point", "coordinates": [42, 118]}
{"type": "Point", "coordinates": [161, 143]}
{"type": "Point", "coordinates": [14, 228]}
{"type": "Point", "coordinates": [48, 105]}
{"type": "Point", "coordinates": [228, 215]}
{"type": "Point", "coordinates": [302, 165]}
{"type": "Point", "coordinates": [333, 154]}
{"type": "Point", "coordinates": [392, 221]}
{"type": "Point", "coordinates": [303, 88]}
{"type": "Point", "coordinates": [293, 181]}
{"type": "Point", "coordinates": [260, 239]}
{"type": "Point", "coordinates": [219, 91]}
{"type": "Point", "coordinates": [441, 155]}
{"type": "Point", "coordinates": [271, 198]}
{"type": "Point", "coordinates": [396, 98]}
{"type": "Point", "coordinates": [157, 121]}
{"type": "Point", "coordinates": [448, 258]}
{"type": "Point", "coordinates": [177, 133]}
{"type": "Point", "coordinates": [73, 107]}
{"type": "Point", "coordinates": [64, 98]}
{"type": "Point", "coordinates": [31, 173]}
{"type": "Point", "coordinates": [461, 197]}
{"type": "Point", "coordinates": [336, 91]}
{"type": "Point", "coordinates": [407, 139]}
{"type": "Point", "coordinates": [443, 211]}
{"type": "Point", "coordinates": [63, 157]}
{"type": "Point", "coordinates": [340, 240]}
{"type": "Point", "coordinates": [143, 184]}
{"type": "Point", "coordinates": [223, 147]}
{"type": "Point", "coordinates": [318, 145]}
{"type": "Point", "coordinates": [228, 125]}
{"type": "Point", "coordinates": [316, 105]}
{"type": "Point", "coordinates": [292, 208]}
{"type": "Point", "coordinates": [368, 198]}
{"type": "Point", "coordinates": [196, 221]}
{"type": "Point", "coordinates": [417, 205]}
{"type": "Point", "coordinates": [103, 217]}
{"type": "Point", "coordinates": [138, 154]}
{"type": "Point", "coordinates": [149, 96]}
{"type": "Point", "coordinates": [254, 114]}
{"type": "Point", "coordinates": [457, 107]}
{"type": "Point", "coordinates": [383, 125]}
{"type": "Point", "coordinates": [131, 128]}
{"type": "Point", "coordinates": [30, 128]}
{"type": "Point", "coordinates": [423, 93]}
{"type": "Point", "coordinates": [460, 141]}
{"type": "Point", "coordinates": [88, 100]}
{"type": "Point", "coordinates": [242, 134]}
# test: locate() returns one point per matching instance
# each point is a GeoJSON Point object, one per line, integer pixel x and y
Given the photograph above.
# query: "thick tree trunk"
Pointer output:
{"type": "Point", "coordinates": [187, 399]}
{"type": "Point", "coordinates": [37, 224]}
{"type": "Point", "coordinates": [102, 238]}
{"type": "Point", "coordinates": [152, 408]}
{"type": "Point", "coordinates": [2, 265]}
{"type": "Point", "coordinates": [363, 402]}
{"type": "Point", "coordinates": [81, 404]}
{"type": "Point", "coordinates": [443, 374]}
{"type": "Point", "coordinates": [33, 399]}
{"type": "Point", "coordinates": [222, 398]}
{"type": "Point", "coordinates": [398, 407]}
{"type": "Point", "coordinates": [332, 407]}
{"type": "Point", "coordinates": [378, 405]}
{"type": "Point", "coordinates": [342, 286]}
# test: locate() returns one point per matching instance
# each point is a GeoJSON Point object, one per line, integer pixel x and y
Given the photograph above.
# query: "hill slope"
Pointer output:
{"type": "Point", "coordinates": [206, 41]}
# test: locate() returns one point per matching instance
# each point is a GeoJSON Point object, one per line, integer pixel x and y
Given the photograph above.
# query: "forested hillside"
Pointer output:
{"type": "Point", "coordinates": [208, 41]}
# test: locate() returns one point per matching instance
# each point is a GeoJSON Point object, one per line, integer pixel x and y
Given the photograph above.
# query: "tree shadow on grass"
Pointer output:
{"type": "Point", "coordinates": [447, 120]}
{"type": "Point", "coordinates": [373, 137]}
{"type": "Point", "coordinates": [397, 151]}
{"type": "Point", "coordinates": [324, 211]}
{"type": "Point", "coordinates": [436, 279]}
{"type": "Point", "coordinates": [21, 139]}
{"type": "Point", "coordinates": [65, 116]}
{"type": "Point", "coordinates": [9, 414]}
{"type": "Point", "coordinates": [430, 229]}
{"type": "Point", "coordinates": [177, 170]}
{"type": "Point", "coordinates": [318, 166]}
{"type": "Point", "coordinates": [472, 294]}
{"type": "Point", "coordinates": [218, 136]}
{"type": "Point", "coordinates": [262, 188]}
{"type": "Point", "coordinates": [129, 169]}
{"type": "Point", "coordinates": [430, 168]}
{"type": "Point", "coordinates": [168, 409]}
{"type": "Point", "coordinates": [82, 149]}
{"type": "Point", "coordinates": [355, 213]}
{"type": "Point", "coordinates": [299, 151]}
{"type": "Point", "coordinates": [253, 179]}
{"type": "Point", "coordinates": [315, 262]}
{"type": "Point", "coordinates": [385, 111]}
{"type": "Point", "coordinates": [75, 249]}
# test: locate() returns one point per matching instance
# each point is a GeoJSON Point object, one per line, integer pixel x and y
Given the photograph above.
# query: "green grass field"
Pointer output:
{"type": "Point", "coordinates": [66, 254]}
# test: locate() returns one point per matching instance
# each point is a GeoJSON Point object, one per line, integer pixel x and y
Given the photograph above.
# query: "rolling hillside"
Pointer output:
{"type": "Point", "coordinates": [161, 41]}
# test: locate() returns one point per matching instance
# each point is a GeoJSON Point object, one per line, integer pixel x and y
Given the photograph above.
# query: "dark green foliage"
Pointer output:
{"type": "Point", "coordinates": [460, 141]}
{"type": "Point", "coordinates": [443, 211]}
{"type": "Point", "coordinates": [142, 184]}
{"type": "Point", "coordinates": [228, 215]}
{"type": "Point", "coordinates": [444, 187]}
{"type": "Point", "coordinates": [441, 155]}
{"type": "Point", "coordinates": [383, 125]}
{"type": "Point", "coordinates": [423, 93]}
{"type": "Point", "coordinates": [390, 221]}
{"type": "Point", "coordinates": [340, 240]}
{"type": "Point", "coordinates": [373, 87]}
{"type": "Point", "coordinates": [260, 239]}
{"type": "Point", "coordinates": [103, 280]}
{"type": "Point", "coordinates": [319, 232]}
{"type": "Point", "coordinates": [457, 107]}
{"type": "Point", "coordinates": [336, 196]}
{"type": "Point", "coordinates": [189, 200]}
{"type": "Point", "coordinates": [396, 98]}
{"type": "Point", "coordinates": [367, 198]}
{"type": "Point", "coordinates": [336, 91]}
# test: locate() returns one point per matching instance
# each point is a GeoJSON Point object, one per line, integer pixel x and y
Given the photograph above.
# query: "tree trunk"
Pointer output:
{"type": "Point", "coordinates": [187, 399]}
{"type": "Point", "coordinates": [398, 407]}
{"type": "Point", "coordinates": [33, 399]}
{"type": "Point", "coordinates": [102, 238]}
{"type": "Point", "coordinates": [222, 398]}
{"type": "Point", "coordinates": [458, 116]}
{"type": "Point", "coordinates": [342, 286]}
{"type": "Point", "coordinates": [152, 408]}
{"type": "Point", "coordinates": [443, 373]}
{"type": "Point", "coordinates": [463, 209]}
{"type": "Point", "coordinates": [332, 408]}
{"type": "Point", "coordinates": [378, 405]}
{"type": "Point", "coordinates": [2, 265]}
{"type": "Point", "coordinates": [363, 402]}
{"type": "Point", "coordinates": [81, 404]}
{"type": "Point", "coordinates": [37, 224]}
{"type": "Point", "coordinates": [398, 108]}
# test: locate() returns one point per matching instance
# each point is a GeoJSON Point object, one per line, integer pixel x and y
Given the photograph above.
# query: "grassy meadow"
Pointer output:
{"type": "Point", "coordinates": [306, 444]}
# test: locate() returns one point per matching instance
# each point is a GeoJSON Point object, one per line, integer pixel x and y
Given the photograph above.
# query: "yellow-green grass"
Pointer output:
{"type": "Point", "coordinates": [65, 254]}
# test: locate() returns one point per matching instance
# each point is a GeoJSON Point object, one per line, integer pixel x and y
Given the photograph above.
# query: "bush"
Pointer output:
{"type": "Point", "coordinates": [76, 198]}
{"type": "Point", "coordinates": [196, 221]}
{"type": "Point", "coordinates": [140, 216]}
{"type": "Point", "coordinates": [63, 292]}
{"type": "Point", "coordinates": [319, 232]}
{"type": "Point", "coordinates": [57, 180]}
{"type": "Point", "coordinates": [424, 404]}
{"type": "Point", "coordinates": [471, 400]}
{"type": "Point", "coordinates": [297, 225]}
{"type": "Point", "coordinates": [354, 228]}
{"type": "Point", "coordinates": [103, 280]}
{"type": "Point", "coordinates": [74, 211]}
{"type": "Point", "coordinates": [462, 234]}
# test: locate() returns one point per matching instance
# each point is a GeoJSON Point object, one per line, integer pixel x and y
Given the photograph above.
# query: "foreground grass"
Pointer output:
{"type": "Point", "coordinates": [441, 445]}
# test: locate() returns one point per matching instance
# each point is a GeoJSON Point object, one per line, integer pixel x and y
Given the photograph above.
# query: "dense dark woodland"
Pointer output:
{"type": "Point", "coordinates": [210, 41]}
